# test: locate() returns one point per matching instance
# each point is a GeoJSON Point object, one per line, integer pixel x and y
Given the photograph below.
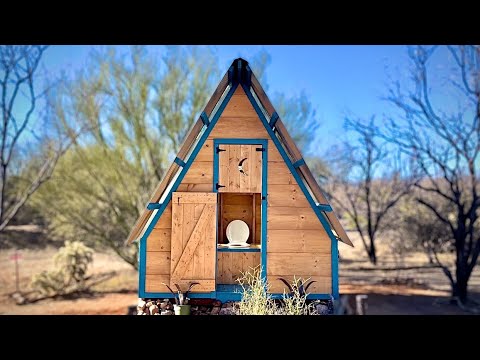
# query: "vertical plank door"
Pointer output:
{"type": "Point", "coordinates": [240, 168]}
{"type": "Point", "coordinates": [193, 244]}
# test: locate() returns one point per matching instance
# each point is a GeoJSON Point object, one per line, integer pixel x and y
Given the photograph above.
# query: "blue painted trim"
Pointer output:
{"type": "Point", "coordinates": [298, 163]}
{"type": "Point", "coordinates": [285, 157]}
{"type": "Point", "coordinates": [225, 296]}
{"type": "Point", "coordinates": [334, 251]}
{"type": "Point", "coordinates": [153, 206]}
{"type": "Point", "coordinates": [225, 249]}
{"type": "Point", "coordinates": [227, 141]}
{"type": "Point", "coordinates": [264, 144]}
{"type": "Point", "coordinates": [231, 70]}
{"type": "Point", "coordinates": [142, 268]}
{"type": "Point", "coordinates": [204, 118]}
{"type": "Point", "coordinates": [248, 76]}
{"type": "Point", "coordinates": [273, 119]}
{"type": "Point", "coordinates": [239, 71]}
{"type": "Point", "coordinates": [325, 207]}
{"type": "Point", "coordinates": [142, 265]}
{"type": "Point", "coordinates": [300, 183]}
{"type": "Point", "coordinates": [229, 288]}
{"type": "Point", "coordinates": [264, 211]}
{"type": "Point", "coordinates": [179, 162]}
{"type": "Point", "coordinates": [167, 295]}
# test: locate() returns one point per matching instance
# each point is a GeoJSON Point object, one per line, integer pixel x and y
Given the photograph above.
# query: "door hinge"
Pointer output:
{"type": "Point", "coordinates": [217, 186]}
{"type": "Point", "coordinates": [260, 149]}
{"type": "Point", "coordinates": [218, 149]}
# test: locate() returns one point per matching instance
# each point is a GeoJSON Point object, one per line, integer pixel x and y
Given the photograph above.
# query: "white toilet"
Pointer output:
{"type": "Point", "coordinates": [237, 234]}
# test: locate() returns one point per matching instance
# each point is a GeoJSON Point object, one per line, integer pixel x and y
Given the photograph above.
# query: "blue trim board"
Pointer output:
{"type": "Point", "coordinates": [325, 207]}
{"type": "Point", "coordinates": [325, 223]}
{"type": "Point", "coordinates": [273, 119]}
{"type": "Point", "coordinates": [334, 251]}
{"type": "Point", "coordinates": [153, 206]}
{"type": "Point", "coordinates": [198, 147]}
{"type": "Point", "coordinates": [226, 249]}
{"type": "Point", "coordinates": [298, 163]}
{"type": "Point", "coordinates": [204, 118]}
{"type": "Point", "coordinates": [179, 162]}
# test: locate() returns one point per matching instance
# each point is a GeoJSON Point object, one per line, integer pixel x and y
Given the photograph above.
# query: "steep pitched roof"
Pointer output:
{"type": "Point", "coordinates": [239, 73]}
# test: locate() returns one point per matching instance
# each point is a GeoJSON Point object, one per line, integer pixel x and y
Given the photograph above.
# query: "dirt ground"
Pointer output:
{"type": "Point", "coordinates": [421, 290]}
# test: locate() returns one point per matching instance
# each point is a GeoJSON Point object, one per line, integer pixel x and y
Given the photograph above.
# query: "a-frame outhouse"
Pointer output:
{"type": "Point", "coordinates": [238, 162]}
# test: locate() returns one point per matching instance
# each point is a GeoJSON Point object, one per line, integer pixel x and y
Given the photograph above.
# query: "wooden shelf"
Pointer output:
{"type": "Point", "coordinates": [252, 248]}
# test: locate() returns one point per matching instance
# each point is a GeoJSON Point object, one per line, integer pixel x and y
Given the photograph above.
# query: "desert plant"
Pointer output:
{"type": "Point", "coordinates": [255, 299]}
{"type": "Point", "coordinates": [69, 274]}
{"type": "Point", "coordinates": [295, 302]}
{"type": "Point", "coordinates": [181, 298]}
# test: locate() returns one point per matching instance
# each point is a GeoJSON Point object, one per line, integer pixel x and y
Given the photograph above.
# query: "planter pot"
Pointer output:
{"type": "Point", "coordinates": [181, 309]}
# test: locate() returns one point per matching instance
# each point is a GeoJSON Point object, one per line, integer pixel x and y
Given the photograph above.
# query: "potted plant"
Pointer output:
{"type": "Point", "coordinates": [181, 306]}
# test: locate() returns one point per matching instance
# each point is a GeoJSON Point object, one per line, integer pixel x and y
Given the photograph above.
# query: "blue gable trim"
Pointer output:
{"type": "Point", "coordinates": [316, 209]}
{"type": "Point", "coordinates": [143, 247]}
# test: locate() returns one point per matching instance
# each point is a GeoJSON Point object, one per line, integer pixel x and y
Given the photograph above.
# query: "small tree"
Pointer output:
{"type": "Point", "coordinates": [70, 272]}
{"type": "Point", "coordinates": [367, 182]}
{"type": "Point", "coordinates": [444, 140]}
{"type": "Point", "coordinates": [28, 152]}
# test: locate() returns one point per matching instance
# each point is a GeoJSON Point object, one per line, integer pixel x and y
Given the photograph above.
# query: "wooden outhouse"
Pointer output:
{"type": "Point", "coordinates": [238, 162]}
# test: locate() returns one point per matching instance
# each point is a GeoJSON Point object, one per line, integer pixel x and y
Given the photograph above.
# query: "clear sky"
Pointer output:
{"type": "Point", "coordinates": [338, 79]}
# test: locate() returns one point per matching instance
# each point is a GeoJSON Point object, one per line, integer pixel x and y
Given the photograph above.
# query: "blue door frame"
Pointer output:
{"type": "Point", "coordinates": [264, 144]}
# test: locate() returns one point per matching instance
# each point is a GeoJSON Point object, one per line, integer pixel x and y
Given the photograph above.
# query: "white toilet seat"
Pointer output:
{"type": "Point", "coordinates": [237, 233]}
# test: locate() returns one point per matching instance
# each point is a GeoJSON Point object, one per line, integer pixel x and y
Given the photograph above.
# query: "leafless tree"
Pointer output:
{"type": "Point", "coordinates": [19, 99]}
{"type": "Point", "coordinates": [445, 142]}
{"type": "Point", "coordinates": [368, 181]}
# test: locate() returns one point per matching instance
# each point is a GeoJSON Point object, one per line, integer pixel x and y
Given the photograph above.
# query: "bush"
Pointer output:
{"type": "Point", "coordinates": [257, 301]}
{"type": "Point", "coordinates": [69, 274]}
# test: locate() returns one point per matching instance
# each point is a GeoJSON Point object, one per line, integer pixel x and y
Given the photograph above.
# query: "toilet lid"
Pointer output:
{"type": "Point", "coordinates": [237, 232]}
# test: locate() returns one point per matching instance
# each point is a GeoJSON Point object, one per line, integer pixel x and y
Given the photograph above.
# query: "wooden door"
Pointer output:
{"type": "Point", "coordinates": [193, 240]}
{"type": "Point", "coordinates": [240, 168]}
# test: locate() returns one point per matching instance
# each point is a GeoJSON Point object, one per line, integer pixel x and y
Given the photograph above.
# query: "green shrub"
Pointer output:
{"type": "Point", "coordinates": [69, 274]}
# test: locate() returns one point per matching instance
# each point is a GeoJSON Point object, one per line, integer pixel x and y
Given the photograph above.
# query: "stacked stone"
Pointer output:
{"type": "Point", "coordinates": [154, 307]}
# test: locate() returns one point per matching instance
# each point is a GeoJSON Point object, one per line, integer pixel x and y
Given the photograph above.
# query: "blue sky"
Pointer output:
{"type": "Point", "coordinates": [337, 79]}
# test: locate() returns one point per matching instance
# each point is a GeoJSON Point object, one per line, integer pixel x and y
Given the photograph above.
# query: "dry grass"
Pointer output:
{"type": "Point", "coordinates": [110, 297]}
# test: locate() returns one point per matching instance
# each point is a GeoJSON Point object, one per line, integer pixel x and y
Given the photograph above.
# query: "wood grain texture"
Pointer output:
{"type": "Point", "coordinates": [232, 264]}
{"type": "Point", "coordinates": [159, 240]}
{"type": "Point", "coordinates": [279, 174]}
{"type": "Point", "coordinates": [153, 283]}
{"type": "Point", "coordinates": [273, 153]}
{"type": "Point", "coordinates": [239, 106]}
{"type": "Point", "coordinates": [292, 218]}
{"type": "Point", "coordinates": [206, 152]}
{"type": "Point", "coordinates": [299, 241]}
{"type": "Point", "coordinates": [194, 198]}
{"type": "Point", "coordinates": [185, 187]}
{"type": "Point", "coordinates": [250, 181]}
{"type": "Point", "coordinates": [322, 285]}
{"type": "Point", "coordinates": [199, 231]}
{"type": "Point", "coordinates": [286, 196]}
{"type": "Point", "coordinates": [158, 263]}
{"type": "Point", "coordinates": [201, 172]}
{"type": "Point", "coordinates": [239, 128]}
{"type": "Point", "coordinates": [193, 239]}
{"type": "Point", "coordinates": [165, 221]}
{"type": "Point", "coordinates": [299, 264]}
